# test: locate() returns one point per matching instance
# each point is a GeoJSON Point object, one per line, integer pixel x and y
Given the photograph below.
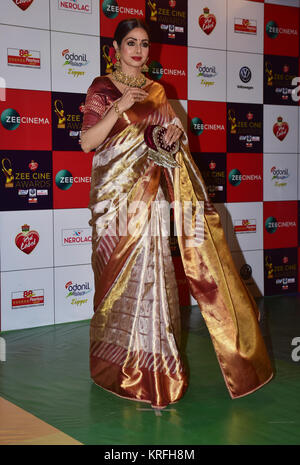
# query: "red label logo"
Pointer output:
{"type": "Point", "coordinates": [280, 129]}
{"type": "Point", "coordinates": [27, 240]}
{"type": "Point", "coordinates": [207, 21]}
{"type": "Point", "coordinates": [23, 4]}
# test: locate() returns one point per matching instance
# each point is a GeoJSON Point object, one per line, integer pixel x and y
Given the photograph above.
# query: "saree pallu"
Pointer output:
{"type": "Point", "coordinates": [135, 330]}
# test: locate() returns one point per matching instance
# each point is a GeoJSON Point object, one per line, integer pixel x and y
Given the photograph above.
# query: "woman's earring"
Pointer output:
{"type": "Point", "coordinates": [145, 68]}
{"type": "Point", "coordinates": [117, 64]}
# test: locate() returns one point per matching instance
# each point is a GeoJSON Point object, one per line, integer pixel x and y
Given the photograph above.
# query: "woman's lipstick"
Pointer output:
{"type": "Point", "coordinates": [137, 58]}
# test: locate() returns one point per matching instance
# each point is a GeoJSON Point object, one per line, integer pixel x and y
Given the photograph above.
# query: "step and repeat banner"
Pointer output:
{"type": "Point", "coordinates": [228, 67]}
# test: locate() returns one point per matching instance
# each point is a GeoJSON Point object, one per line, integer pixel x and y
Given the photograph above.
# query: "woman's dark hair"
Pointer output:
{"type": "Point", "coordinates": [125, 26]}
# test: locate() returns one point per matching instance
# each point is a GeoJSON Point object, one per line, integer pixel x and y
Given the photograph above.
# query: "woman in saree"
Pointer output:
{"type": "Point", "coordinates": [142, 163]}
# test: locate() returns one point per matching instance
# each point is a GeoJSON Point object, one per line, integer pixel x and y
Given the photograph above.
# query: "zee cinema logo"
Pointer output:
{"type": "Point", "coordinates": [271, 224]}
{"type": "Point", "coordinates": [235, 177]}
{"type": "Point", "coordinates": [273, 30]}
{"type": "Point", "coordinates": [198, 127]}
{"type": "Point", "coordinates": [65, 180]}
{"type": "Point", "coordinates": [111, 9]}
{"type": "Point", "coordinates": [156, 71]}
{"type": "Point", "coordinates": [11, 119]}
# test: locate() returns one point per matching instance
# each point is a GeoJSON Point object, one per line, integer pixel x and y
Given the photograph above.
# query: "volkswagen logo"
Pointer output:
{"type": "Point", "coordinates": [245, 74]}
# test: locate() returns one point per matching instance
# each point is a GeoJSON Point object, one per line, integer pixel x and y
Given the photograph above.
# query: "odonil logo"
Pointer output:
{"type": "Point", "coordinates": [279, 174]}
{"type": "Point", "coordinates": [271, 224]}
{"type": "Point", "coordinates": [64, 179]}
{"type": "Point", "coordinates": [197, 126]}
{"type": "Point", "coordinates": [273, 30]}
{"type": "Point", "coordinates": [11, 119]}
{"type": "Point", "coordinates": [77, 292]}
{"type": "Point", "coordinates": [206, 71]}
{"type": "Point", "coordinates": [75, 289]}
{"type": "Point", "coordinates": [156, 71]}
{"type": "Point", "coordinates": [73, 59]}
{"type": "Point", "coordinates": [111, 9]}
{"type": "Point", "coordinates": [235, 177]}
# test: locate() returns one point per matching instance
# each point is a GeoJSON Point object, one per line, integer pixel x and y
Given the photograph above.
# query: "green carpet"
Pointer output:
{"type": "Point", "coordinates": [47, 374]}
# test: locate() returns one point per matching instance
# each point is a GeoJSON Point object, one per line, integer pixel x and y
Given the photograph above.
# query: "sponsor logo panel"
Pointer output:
{"type": "Point", "coordinates": [244, 177]}
{"type": "Point", "coordinates": [71, 179]}
{"type": "Point", "coordinates": [74, 292]}
{"type": "Point", "coordinates": [244, 127]}
{"type": "Point", "coordinates": [280, 224]}
{"type": "Point", "coordinates": [25, 120]}
{"type": "Point", "coordinates": [67, 116]}
{"type": "Point", "coordinates": [114, 11]}
{"type": "Point", "coordinates": [207, 126]}
{"type": "Point", "coordinates": [279, 73]}
{"type": "Point", "coordinates": [26, 182]}
{"type": "Point", "coordinates": [280, 271]}
{"type": "Point", "coordinates": [212, 167]}
{"type": "Point", "coordinates": [281, 30]}
{"type": "Point", "coordinates": [168, 21]}
{"type": "Point", "coordinates": [168, 65]}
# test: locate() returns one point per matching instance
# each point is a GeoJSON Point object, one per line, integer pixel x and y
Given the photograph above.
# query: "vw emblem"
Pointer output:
{"type": "Point", "coordinates": [245, 74]}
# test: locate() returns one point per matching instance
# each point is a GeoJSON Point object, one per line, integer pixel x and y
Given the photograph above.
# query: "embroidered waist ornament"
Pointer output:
{"type": "Point", "coordinates": [160, 152]}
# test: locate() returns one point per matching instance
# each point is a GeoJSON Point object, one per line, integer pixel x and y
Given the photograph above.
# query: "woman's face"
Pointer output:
{"type": "Point", "coordinates": [134, 48]}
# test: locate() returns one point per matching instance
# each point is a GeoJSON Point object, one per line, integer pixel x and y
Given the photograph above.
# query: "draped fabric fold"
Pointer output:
{"type": "Point", "coordinates": [135, 330]}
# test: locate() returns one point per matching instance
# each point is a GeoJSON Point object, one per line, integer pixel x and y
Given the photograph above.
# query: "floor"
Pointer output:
{"type": "Point", "coordinates": [47, 396]}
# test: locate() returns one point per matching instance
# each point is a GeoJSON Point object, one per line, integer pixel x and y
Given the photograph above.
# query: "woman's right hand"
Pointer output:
{"type": "Point", "coordinates": [130, 97]}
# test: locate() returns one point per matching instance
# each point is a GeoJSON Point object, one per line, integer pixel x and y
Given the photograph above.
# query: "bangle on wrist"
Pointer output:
{"type": "Point", "coordinates": [117, 109]}
{"type": "Point", "coordinates": [123, 114]}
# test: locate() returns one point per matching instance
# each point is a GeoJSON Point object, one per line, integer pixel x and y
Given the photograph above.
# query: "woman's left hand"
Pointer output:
{"type": "Point", "coordinates": [173, 134]}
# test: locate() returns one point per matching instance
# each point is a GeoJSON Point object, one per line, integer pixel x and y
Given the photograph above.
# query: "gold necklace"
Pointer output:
{"type": "Point", "coordinates": [130, 81]}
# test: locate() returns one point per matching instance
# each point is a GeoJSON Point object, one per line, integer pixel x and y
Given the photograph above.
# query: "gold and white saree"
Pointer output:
{"type": "Point", "coordinates": [135, 330]}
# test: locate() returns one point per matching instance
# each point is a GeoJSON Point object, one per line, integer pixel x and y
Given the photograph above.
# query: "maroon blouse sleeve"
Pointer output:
{"type": "Point", "coordinates": [94, 107]}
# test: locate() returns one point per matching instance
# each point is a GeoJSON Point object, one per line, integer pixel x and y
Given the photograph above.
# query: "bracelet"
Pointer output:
{"type": "Point", "coordinates": [121, 114]}
{"type": "Point", "coordinates": [117, 109]}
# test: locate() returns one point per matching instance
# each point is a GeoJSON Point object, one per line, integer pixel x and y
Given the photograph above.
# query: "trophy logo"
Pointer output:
{"type": "Point", "coordinates": [207, 21]}
{"type": "Point", "coordinates": [280, 128]}
{"type": "Point", "coordinates": [27, 240]}
{"type": "Point", "coordinates": [232, 119]}
{"type": "Point", "coordinates": [60, 113]}
{"type": "Point", "coordinates": [108, 54]}
{"type": "Point", "coordinates": [8, 172]}
{"type": "Point", "coordinates": [153, 13]}
{"type": "Point", "coordinates": [269, 267]}
{"type": "Point", "coordinates": [269, 72]}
